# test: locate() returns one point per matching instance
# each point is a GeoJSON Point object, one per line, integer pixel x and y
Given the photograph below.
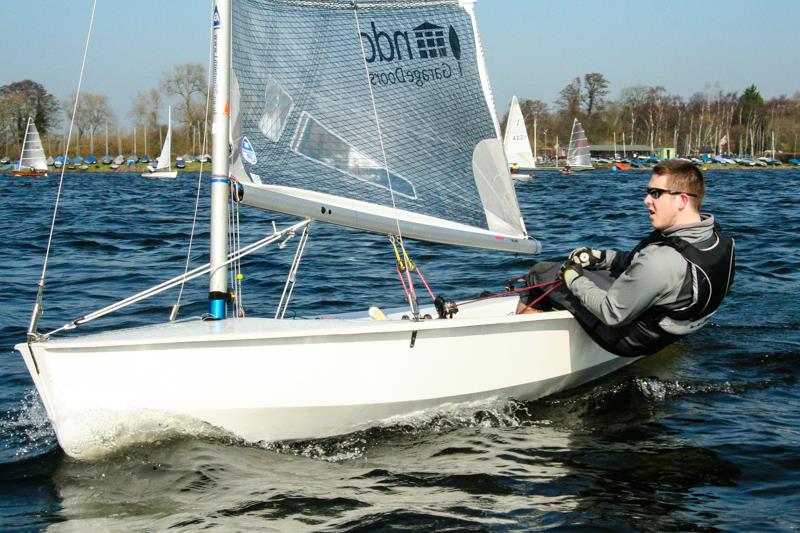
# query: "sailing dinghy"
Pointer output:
{"type": "Point", "coordinates": [516, 144]}
{"type": "Point", "coordinates": [331, 120]}
{"type": "Point", "coordinates": [163, 168]}
{"type": "Point", "coordinates": [32, 161]}
{"type": "Point", "coordinates": [578, 155]}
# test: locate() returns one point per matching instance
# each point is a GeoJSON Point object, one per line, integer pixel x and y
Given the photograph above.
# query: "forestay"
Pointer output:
{"type": "Point", "coordinates": [378, 117]}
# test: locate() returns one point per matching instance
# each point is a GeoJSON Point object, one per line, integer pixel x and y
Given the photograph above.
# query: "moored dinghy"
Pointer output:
{"type": "Point", "coordinates": [329, 147]}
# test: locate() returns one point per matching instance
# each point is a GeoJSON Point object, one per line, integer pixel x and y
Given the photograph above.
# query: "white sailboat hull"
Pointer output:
{"type": "Point", "coordinates": [161, 174]}
{"type": "Point", "coordinates": [271, 380]}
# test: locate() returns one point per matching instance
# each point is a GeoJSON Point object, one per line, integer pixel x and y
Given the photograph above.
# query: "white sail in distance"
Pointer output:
{"type": "Point", "coordinates": [32, 156]}
{"type": "Point", "coordinates": [350, 126]}
{"type": "Point", "coordinates": [515, 141]}
{"type": "Point", "coordinates": [578, 155]}
{"type": "Point", "coordinates": [164, 160]}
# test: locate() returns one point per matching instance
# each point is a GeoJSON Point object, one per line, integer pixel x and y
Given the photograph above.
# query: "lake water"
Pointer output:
{"type": "Point", "coordinates": [704, 436]}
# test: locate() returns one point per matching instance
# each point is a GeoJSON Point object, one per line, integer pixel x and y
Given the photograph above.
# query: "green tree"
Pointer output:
{"type": "Point", "coordinates": [595, 89]}
{"type": "Point", "coordinates": [25, 99]}
{"type": "Point", "coordinates": [569, 99]}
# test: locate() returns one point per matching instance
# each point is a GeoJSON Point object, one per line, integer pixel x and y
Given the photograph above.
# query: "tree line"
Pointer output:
{"type": "Point", "coordinates": [185, 88]}
{"type": "Point", "coordinates": [710, 121]}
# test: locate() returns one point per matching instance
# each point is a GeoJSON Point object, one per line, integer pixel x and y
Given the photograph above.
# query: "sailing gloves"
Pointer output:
{"type": "Point", "coordinates": [585, 256]}
{"type": "Point", "coordinates": [572, 268]}
{"type": "Point", "coordinates": [570, 272]}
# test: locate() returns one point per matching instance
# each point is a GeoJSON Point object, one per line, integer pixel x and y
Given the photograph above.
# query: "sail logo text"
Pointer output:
{"type": "Point", "coordinates": [426, 41]}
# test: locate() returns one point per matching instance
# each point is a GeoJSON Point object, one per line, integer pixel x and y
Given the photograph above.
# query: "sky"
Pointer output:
{"type": "Point", "coordinates": [533, 48]}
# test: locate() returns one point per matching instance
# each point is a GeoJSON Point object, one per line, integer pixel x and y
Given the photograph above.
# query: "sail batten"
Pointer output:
{"type": "Point", "coordinates": [384, 106]}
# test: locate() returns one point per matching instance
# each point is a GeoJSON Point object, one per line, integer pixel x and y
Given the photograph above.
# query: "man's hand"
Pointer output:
{"type": "Point", "coordinates": [585, 256]}
{"type": "Point", "coordinates": [570, 272]}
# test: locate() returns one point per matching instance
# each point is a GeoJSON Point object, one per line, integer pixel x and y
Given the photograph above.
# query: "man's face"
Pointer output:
{"type": "Point", "coordinates": [664, 209]}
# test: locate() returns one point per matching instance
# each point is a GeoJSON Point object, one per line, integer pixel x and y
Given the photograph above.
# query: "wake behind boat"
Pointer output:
{"type": "Point", "coordinates": [337, 147]}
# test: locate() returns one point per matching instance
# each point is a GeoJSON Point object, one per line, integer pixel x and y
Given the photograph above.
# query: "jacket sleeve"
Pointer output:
{"type": "Point", "coordinates": [654, 276]}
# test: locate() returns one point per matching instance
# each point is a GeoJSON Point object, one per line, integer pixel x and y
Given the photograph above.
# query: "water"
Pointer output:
{"type": "Point", "coordinates": [704, 436]}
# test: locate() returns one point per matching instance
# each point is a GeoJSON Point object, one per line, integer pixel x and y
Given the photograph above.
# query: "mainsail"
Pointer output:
{"type": "Point", "coordinates": [164, 160]}
{"type": "Point", "coordinates": [375, 115]}
{"type": "Point", "coordinates": [32, 156]}
{"type": "Point", "coordinates": [578, 155]}
{"type": "Point", "coordinates": [515, 141]}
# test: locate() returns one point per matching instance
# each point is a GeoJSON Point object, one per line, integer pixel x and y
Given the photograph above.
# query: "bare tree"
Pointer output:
{"type": "Point", "coordinates": [92, 113]}
{"type": "Point", "coordinates": [189, 83]}
{"type": "Point", "coordinates": [146, 108]}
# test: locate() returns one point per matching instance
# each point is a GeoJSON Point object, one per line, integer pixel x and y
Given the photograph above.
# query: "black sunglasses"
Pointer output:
{"type": "Point", "coordinates": [656, 193]}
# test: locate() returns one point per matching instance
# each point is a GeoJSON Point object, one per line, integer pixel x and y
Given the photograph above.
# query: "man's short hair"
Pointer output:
{"type": "Point", "coordinates": [683, 176]}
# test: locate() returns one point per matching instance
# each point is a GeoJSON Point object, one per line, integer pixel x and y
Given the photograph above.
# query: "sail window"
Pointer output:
{"type": "Point", "coordinates": [277, 107]}
{"type": "Point", "coordinates": [316, 142]}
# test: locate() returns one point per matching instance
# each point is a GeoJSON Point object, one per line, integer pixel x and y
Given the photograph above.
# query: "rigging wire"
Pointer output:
{"type": "Point", "coordinates": [176, 307]}
{"type": "Point", "coordinates": [37, 307]}
{"type": "Point", "coordinates": [412, 293]}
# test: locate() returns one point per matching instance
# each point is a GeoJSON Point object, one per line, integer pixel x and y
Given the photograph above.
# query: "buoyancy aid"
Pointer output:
{"type": "Point", "coordinates": [710, 272]}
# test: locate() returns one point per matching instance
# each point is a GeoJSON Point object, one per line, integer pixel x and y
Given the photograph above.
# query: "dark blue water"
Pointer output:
{"type": "Point", "coordinates": [704, 436]}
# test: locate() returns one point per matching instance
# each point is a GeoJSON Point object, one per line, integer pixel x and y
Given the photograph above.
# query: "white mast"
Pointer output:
{"type": "Point", "coordinates": [218, 283]}
{"type": "Point", "coordinates": [106, 138]}
{"type": "Point", "coordinates": [534, 140]}
{"type": "Point", "coordinates": [24, 140]}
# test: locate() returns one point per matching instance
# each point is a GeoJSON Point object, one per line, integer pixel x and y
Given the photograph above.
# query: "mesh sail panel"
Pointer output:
{"type": "Point", "coordinates": [316, 111]}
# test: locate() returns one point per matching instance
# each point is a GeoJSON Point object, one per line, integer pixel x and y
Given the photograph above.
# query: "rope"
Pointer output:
{"type": "Point", "coordinates": [556, 283]}
{"type": "Point", "coordinates": [37, 308]}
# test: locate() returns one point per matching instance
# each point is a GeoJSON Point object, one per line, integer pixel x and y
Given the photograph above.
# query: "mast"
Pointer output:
{"type": "Point", "coordinates": [217, 286]}
{"type": "Point", "coordinates": [534, 140]}
{"type": "Point", "coordinates": [107, 137]}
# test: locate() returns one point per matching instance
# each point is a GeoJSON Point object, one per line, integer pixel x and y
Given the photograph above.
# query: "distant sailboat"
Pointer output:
{"type": "Point", "coordinates": [578, 156]}
{"type": "Point", "coordinates": [516, 144]}
{"type": "Point", "coordinates": [32, 161]}
{"type": "Point", "coordinates": [163, 168]}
